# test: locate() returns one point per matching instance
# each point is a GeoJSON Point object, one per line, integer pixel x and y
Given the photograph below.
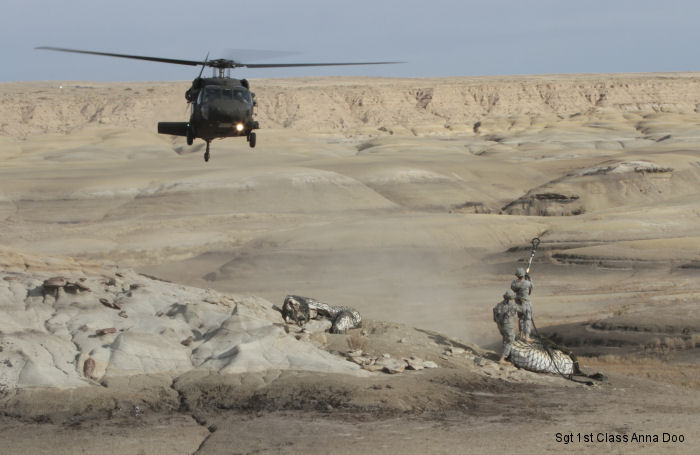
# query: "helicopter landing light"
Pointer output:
{"type": "Point", "coordinates": [239, 127]}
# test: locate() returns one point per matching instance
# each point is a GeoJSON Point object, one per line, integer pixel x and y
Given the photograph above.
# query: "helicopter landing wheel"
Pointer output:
{"type": "Point", "coordinates": [190, 135]}
{"type": "Point", "coordinates": [206, 154]}
{"type": "Point", "coordinates": [251, 140]}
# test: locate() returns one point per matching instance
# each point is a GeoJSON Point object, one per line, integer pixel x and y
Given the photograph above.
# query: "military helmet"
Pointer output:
{"type": "Point", "coordinates": [509, 295]}
{"type": "Point", "coordinates": [520, 272]}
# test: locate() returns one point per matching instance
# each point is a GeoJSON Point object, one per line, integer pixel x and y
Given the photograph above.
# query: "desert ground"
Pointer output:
{"type": "Point", "coordinates": [410, 200]}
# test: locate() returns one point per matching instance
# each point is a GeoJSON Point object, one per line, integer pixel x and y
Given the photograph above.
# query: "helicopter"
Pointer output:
{"type": "Point", "coordinates": [220, 106]}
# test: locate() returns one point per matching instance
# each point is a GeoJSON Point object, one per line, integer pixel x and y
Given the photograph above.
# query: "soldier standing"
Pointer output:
{"type": "Point", "coordinates": [504, 315]}
{"type": "Point", "coordinates": [522, 286]}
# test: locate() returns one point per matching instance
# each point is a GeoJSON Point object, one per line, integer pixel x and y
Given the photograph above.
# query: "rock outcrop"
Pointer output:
{"type": "Point", "coordinates": [54, 333]}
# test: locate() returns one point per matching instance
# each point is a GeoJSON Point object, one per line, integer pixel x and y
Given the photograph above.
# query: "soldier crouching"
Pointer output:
{"type": "Point", "coordinates": [504, 314]}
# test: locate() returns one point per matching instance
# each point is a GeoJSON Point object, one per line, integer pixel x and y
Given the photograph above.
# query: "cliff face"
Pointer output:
{"type": "Point", "coordinates": [350, 106]}
{"type": "Point", "coordinates": [467, 104]}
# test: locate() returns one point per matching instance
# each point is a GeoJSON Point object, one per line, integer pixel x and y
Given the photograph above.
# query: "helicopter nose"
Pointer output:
{"type": "Point", "coordinates": [230, 112]}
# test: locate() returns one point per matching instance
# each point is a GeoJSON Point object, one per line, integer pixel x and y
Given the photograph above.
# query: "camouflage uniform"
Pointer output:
{"type": "Point", "coordinates": [504, 315]}
{"type": "Point", "coordinates": [523, 288]}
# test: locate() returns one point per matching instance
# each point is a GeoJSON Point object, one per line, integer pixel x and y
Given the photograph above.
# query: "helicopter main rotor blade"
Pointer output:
{"type": "Point", "coordinates": [218, 63]}
{"type": "Point", "coordinates": [204, 65]}
{"type": "Point", "coordinates": [254, 55]}
{"type": "Point", "coordinates": [136, 57]}
{"type": "Point", "coordinates": [290, 65]}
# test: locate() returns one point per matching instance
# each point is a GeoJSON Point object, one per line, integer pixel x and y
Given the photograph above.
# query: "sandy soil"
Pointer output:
{"type": "Point", "coordinates": [412, 201]}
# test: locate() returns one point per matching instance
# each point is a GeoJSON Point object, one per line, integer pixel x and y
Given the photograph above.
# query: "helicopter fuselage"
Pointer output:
{"type": "Point", "coordinates": [219, 107]}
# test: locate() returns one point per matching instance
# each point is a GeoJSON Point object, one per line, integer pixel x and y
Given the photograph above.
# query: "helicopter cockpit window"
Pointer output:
{"type": "Point", "coordinates": [214, 92]}
{"type": "Point", "coordinates": [243, 95]}
{"type": "Point", "coordinates": [211, 92]}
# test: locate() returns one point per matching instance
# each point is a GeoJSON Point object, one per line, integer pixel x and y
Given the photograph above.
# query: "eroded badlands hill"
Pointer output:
{"type": "Point", "coordinates": [352, 105]}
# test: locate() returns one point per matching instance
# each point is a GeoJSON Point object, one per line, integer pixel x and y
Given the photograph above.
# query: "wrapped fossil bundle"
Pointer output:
{"type": "Point", "coordinates": [302, 309]}
{"type": "Point", "coordinates": [540, 358]}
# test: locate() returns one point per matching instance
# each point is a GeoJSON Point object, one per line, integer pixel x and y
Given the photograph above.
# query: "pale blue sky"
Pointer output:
{"type": "Point", "coordinates": [434, 37]}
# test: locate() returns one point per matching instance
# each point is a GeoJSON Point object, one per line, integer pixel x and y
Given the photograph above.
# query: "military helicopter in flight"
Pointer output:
{"type": "Point", "coordinates": [220, 106]}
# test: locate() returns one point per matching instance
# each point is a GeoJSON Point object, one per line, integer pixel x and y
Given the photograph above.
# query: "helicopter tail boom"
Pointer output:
{"type": "Point", "coordinates": [173, 128]}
